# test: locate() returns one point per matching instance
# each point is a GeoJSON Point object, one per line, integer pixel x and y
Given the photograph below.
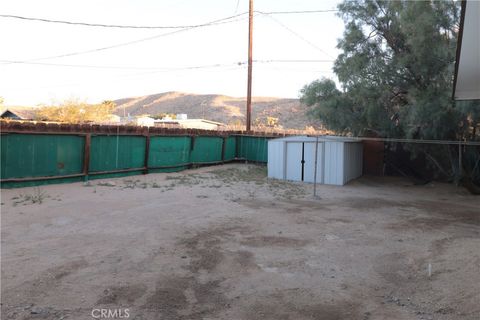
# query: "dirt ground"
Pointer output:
{"type": "Point", "coordinates": [225, 242]}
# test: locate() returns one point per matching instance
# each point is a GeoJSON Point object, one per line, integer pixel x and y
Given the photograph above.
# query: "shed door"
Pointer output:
{"type": "Point", "coordinates": [293, 163]}
{"type": "Point", "coordinates": [309, 167]}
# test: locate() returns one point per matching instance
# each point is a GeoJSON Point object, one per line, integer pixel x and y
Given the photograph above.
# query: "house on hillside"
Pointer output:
{"type": "Point", "coordinates": [145, 121]}
{"type": "Point", "coordinates": [17, 113]}
{"type": "Point", "coordinates": [192, 124]}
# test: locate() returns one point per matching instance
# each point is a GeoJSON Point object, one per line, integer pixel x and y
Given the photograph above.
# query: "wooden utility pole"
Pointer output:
{"type": "Point", "coordinates": [249, 84]}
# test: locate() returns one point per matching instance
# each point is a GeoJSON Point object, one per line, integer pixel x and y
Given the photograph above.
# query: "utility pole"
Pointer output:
{"type": "Point", "coordinates": [249, 84]}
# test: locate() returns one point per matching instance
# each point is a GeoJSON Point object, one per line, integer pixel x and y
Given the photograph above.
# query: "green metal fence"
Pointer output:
{"type": "Point", "coordinates": [252, 148]}
{"type": "Point", "coordinates": [109, 153]}
{"type": "Point", "coordinates": [34, 159]}
{"type": "Point", "coordinates": [169, 152]}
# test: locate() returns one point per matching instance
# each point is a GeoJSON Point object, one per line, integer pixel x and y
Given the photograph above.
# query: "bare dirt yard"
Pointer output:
{"type": "Point", "coordinates": [225, 242]}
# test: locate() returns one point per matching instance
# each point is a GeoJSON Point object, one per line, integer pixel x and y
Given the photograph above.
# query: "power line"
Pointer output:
{"type": "Point", "coordinates": [86, 24]}
{"type": "Point", "coordinates": [211, 23]}
{"type": "Point", "coordinates": [313, 45]}
{"type": "Point", "coordinates": [160, 68]}
{"type": "Point", "coordinates": [131, 68]}
{"type": "Point", "coordinates": [229, 19]}
{"type": "Point", "coordinates": [236, 7]}
{"type": "Point", "coordinates": [119, 26]}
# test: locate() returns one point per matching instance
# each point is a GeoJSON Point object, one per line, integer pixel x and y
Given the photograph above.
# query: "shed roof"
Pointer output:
{"type": "Point", "coordinates": [320, 138]}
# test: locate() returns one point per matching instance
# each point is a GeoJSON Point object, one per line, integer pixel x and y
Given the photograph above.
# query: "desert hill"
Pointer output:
{"type": "Point", "coordinates": [229, 110]}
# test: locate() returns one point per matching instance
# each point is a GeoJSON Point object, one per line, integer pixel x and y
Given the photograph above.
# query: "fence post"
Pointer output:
{"type": "Point", "coordinates": [86, 155]}
{"type": "Point", "coordinates": [224, 142]}
{"type": "Point", "coordinates": [460, 160]}
{"type": "Point", "coordinates": [147, 152]}
{"type": "Point", "coordinates": [237, 146]}
{"type": "Point", "coordinates": [192, 142]}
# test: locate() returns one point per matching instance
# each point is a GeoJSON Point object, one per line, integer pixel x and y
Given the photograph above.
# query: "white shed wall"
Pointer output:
{"type": "Point", "coordinates": [275, 159]}
{"type": "Point", "coordinates": [294, 161]}
{"type": "Point", "coordinates": [334, 163]}
{"type": "Point", "coordinates": [353, 161]}
{"type": "Point", "coordinates": [309, 168]}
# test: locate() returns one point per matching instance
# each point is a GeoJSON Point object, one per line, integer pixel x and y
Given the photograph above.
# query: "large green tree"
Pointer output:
{"type": "Point", "coordinates": [396, 74]}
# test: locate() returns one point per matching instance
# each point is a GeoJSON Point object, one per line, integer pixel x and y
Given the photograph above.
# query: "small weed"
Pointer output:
{"type": "Point", "coordinates": [38, 196]}
{"type": "Point", "coordinates": [256, 174]}
{"type": "Point", "coordinates": [131, 184]}
{"type": "Point", "coordinates": [106, 184]}
{"type": "Point", "coordinates": [187, 180]}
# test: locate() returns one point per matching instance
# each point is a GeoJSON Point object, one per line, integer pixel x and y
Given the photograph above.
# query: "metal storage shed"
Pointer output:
{"type": "Point", "coordinates": [339, 159]}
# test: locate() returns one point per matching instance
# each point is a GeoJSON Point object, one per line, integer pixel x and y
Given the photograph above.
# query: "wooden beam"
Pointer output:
{"type": "Point", "coordinates": [86, 155]}
{"type": "Point", "coordinates": [224, 143]}
{"type": "Point", "coordinates": [147, 152]}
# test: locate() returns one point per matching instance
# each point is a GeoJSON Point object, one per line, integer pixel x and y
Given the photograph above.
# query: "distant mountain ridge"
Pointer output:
{"type": "Point", "coordinates": [221, 108]}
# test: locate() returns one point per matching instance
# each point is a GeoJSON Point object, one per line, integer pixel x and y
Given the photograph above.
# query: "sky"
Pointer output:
{"type": "Point", "coordinates": [47, 63]}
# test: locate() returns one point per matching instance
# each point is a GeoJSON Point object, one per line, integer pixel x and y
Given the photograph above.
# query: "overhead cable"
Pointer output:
{"type": "Point", "coordinates": [157, 68]}
{"type": "Point", "coordinates": [86, 24]}
{"type": "Point", "coordinates": [212, 23]}
{"type": "Point", "coordinates": [102, 25]}
{"type": "Point", "coordinates": [313, 45]}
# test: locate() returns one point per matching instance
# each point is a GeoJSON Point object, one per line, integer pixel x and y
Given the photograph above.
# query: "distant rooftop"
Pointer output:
{"type": "Point", "coordinates": [320, 138]}
{"type": "Point", "coordinates": [19, 113]}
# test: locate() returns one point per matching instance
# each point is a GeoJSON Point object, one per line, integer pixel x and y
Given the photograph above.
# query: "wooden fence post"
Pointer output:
{"type": "Point", "coordinates": [224, 143]}
{"type": "Point", "coordinates": [86, 155]}
{"type": "Point", "coordinates": [147, 152]}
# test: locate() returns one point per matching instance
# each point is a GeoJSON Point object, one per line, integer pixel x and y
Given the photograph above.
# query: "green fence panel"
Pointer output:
{"type": "Point", "coordinates": [230, 148]}
{"type": "Point", "coordinates": [252, 148]}
{"type": "Point", "coordinates": [206, 149]}
{"type": "Point", "coordinates": [33, 155]}
{"type": "Point", "coordinates": [169, 151]}
{"type": "Point", "coordinates": [109, 153]}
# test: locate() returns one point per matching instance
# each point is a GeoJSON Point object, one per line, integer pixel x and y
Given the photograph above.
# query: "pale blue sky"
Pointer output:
{"type": "Point", "coordinates": [278, 37]}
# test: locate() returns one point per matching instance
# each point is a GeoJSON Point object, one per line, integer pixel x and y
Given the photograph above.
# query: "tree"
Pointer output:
{"type": "Point", "coordinates": [396, 73]}
{"type": "Point", "coordinates": [267, 122]}
{"type": "Point", "coordinates": [76, 111]}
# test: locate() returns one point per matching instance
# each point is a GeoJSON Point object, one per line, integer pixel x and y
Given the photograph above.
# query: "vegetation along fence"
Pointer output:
{"type": "Point", "coordinates": [34, 155]}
